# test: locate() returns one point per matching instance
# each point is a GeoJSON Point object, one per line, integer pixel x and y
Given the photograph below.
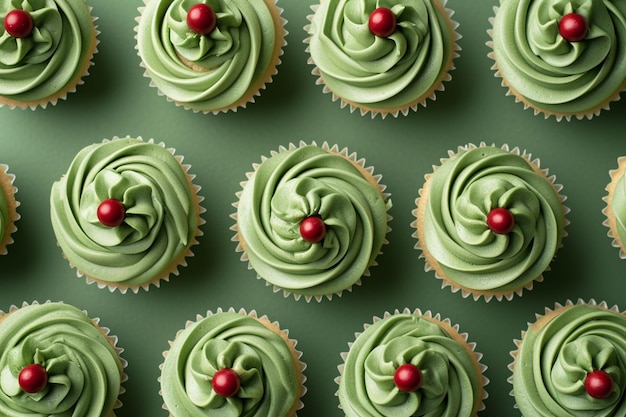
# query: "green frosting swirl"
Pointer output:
{"type": "Point", "coordinates": [44, 63]}
{"type": "Point", "coordinates": [450, 386]}
{"type": "Point", "coordinates": [554, 359]}
{"type": "Point", "coordinates": [552, 73]}
{"type": "Point", "coordinates": [381, 72]}
{"type": "Point", "coordinates": [213, 71]}
{"type": "Point", "coordinates": [160, 221]}
{"type": "Point", "coordinates": [618, 207]}
{"type": "Point", "coordinates": [461, 194]}
{"type": "Point", "coordinates": [269, 379]}
{"type": "Point", "coordinates": [299, 183]}
{"type": "Point", "coordinates": [84, 371]}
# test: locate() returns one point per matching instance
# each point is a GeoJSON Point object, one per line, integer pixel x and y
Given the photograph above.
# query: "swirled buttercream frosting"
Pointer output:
{"type": "Point", "coordinates": [303, 182]}
{"type": "Point", "coordinates": [452, 224]}
{"type": "Point", "coordinates": [269, 373]}
{"type": "Point", "coordinates": [557, 353]}
{"type": "Point", "coordinates": [451, 384]}
{"type": "Point", "coordinates": [615, 210]}
{"type": "Point", "coordinates": [161, 212]}
{"type": "Point", "coordinates": [47, 64]}
{"type": "Point", "coordinates": [554, 75]}
{"type": "Point", "coordinates": [83, 367]}
{"type": "Point", "coordinates": [382, 74]}
{"type": "Point", "coordinates": [217, 71]}
{"type": "Point", "coordinates": [8, 208]}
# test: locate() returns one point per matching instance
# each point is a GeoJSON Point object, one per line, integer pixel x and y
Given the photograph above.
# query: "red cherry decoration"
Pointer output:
{"type": "Point", "coordinates": [573, 27]}
{"type": "Point", "coordinates": [500, 220]}
{"type": "Point", "coordinates": [408, 378]}
{"type": "Point", "coordinates": [18, 23]}
{"type": "Point", "coordinates": [201, 19]}
{"type": "Point", "coordinates": [382, 22]}
{"type": "Point", "coordinates": [33, 378]}
{"type": "Point", "coordinates": [226, 382]}
{"type": "Point", "coordinates": [598, 384]}
{"type": "Point", "coordinates": [111, 212]}
{"type": "Point", "coordinates": [312, 229]}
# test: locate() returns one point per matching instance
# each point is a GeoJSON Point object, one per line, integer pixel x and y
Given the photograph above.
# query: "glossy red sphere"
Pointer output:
{"type": "Point", "coordinates": [500, 220]}
{"type": "Point", "coordinates": [382, 22]}
{"type": "Point", "coordinates": [312, 229]}
{"type": "Point", "coordinates": [598, 384]}
{"type": "Point", "coordinates": [573, 27]}
{"type": "Point", "coordinates": [226, 382]}
{"type": "Point", "coordinates": [201, 19]}
{"type": "Point", "coordinates": [33, 378]}
{"type": "Point", "coordinates": [111, 212]}
{"type": "Point", "coordinates": [408, 378]}
{"type": "Point", "coordinates": [18, 23]}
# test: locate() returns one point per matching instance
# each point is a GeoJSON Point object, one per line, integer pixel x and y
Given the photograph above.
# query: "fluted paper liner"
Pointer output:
{"type": "Point", "coordinates": [8, 189]}
{"type": "Point", "coordinates": [611, 221]}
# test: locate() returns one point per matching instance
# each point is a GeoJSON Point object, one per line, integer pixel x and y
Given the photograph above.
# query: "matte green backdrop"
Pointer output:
{"type": "Point", "coordinates": [116, 100]}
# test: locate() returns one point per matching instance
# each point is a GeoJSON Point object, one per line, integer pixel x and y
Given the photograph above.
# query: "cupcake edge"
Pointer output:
{"type": "Point", "coordinates": [6, 186]}
{"type": "Point", "coordinates": [610, 221]}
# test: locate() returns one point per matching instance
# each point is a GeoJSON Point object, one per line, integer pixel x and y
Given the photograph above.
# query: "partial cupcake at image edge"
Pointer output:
{"type": "Point", "coordinates": [571, 361]}
{"type": "Point", "coordinates": [561, 59]}
{"type": "Point", "coordinates": [311, 220]}
{"type": "Point", "coordinates": [615, 209]}
{"type": "Point", "coordinates": [47, 50]}
{"type": "Point", "coordinates": [126, 214]}
{"type": "Point", "coordinates": [382, 60]}
{"type": "Point", "coordinates": [489, 221]}
{"type": "Point", "coordinates": [8, 208]}
{"type": "Point", "coordinates": [210, 56]}
{"type": "Point", "coordinates": [52, 356]}
{"type": "Point", "coordinates": [229, 362]}
{"type": "Point", "coordinates": [410, 363]}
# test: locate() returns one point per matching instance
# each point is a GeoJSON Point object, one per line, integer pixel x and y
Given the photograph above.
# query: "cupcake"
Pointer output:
{"type": "Point", "coordinates": [489, 221]}
{"type": "Point", "coordinates": [56, 361]}
{"type": "Point", "coordinates": [382, 57]}
{"type": "Point", "coordinates": [572, 362]}
{"type": "Point", "coordinates": [232, 364]}
{"type": "Point", "coordinates": [563, 59]}
{"type": "Point", "coordinates": [311, 220]}
{"type": "Point", "coordinates": [210, 55]}
{"type": "Point", "coordinates": [126, 213]}
{"type": "Point", "coordinates": [411, 364]}
{"type": "Point", "coordinates": [46, 50]}
{"type": "Point", "coordinates": [615, 210]}
{"type": "Point", "coordinates": [8, 208]}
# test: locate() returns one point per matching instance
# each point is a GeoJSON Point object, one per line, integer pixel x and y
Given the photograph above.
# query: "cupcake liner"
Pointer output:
{"type": "Point", "coordinates": [365, 109]}
{"type": "Point", "coordinates": [431, 264]}
{"type": "Point", "coordinates": [368, 172]}
{"type": "Point", "coordinates": [9, 190]}
{"type": "Point", "coordinates": [610, 222]}
{"type": "Point", "coordinates": [452, 329]}
{"type": "Point", "coordinates": [271, 325]}
{"type": "Point", "coordinates": [255, 90]}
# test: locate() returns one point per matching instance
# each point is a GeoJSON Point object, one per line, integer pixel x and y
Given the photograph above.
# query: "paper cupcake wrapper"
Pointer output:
{"type": "Point", "coordinates": [361, 165]}
{"type": "Point", "coordinates": [487, 295]}
{"type": "Point", "coordinates": [272, 325]}
{"type": "Point", "coordinates": [610, 221]}
{"type": "Point", "coordinates": [364, 108]}
{"type": "Point", "coordinates": [254, 91]}
{"type": "Point", "coordinates": [6, 186]}
{"type": "Point", "coordinates": [181, 261]}
{"type": "Point", "coordinates": [112, 339]}
{"type": "Point", "coordinates": [519, 98]}
{"type": "Point", "coordinates": [452, 329]}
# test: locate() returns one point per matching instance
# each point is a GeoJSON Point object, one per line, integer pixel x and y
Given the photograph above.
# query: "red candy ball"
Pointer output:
{"type": "Point", "coordinates": [312, 229]}
{"type": "Point", "coordinates": [382, 22]}
{"type": "Point", "coordinates": [33, 378]}
{"type": "Point", "coordinates": [18, 23]}
{"type": "Point", "coordinates": [226, 382]}
{"type": "Point", "coordinates": [500, 221]}
{"type": "Point", "coordinates": [573, 27]}
{"type": "Point", "coordinates": [201, 19]}
{"type": "Point", "coordinates": [408, 378]}
{"type": "Point", "coordinates": [111, 212]}
{"type": "Point", "coordinates": [598, 384]}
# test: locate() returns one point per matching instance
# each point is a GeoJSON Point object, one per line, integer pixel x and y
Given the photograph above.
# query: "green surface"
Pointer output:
{"type": "Point", "coordinates": [116, 100]}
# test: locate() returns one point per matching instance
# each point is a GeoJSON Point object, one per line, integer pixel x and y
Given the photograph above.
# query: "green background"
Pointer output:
{"type": "Point", "coordinates": [117, 101]}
